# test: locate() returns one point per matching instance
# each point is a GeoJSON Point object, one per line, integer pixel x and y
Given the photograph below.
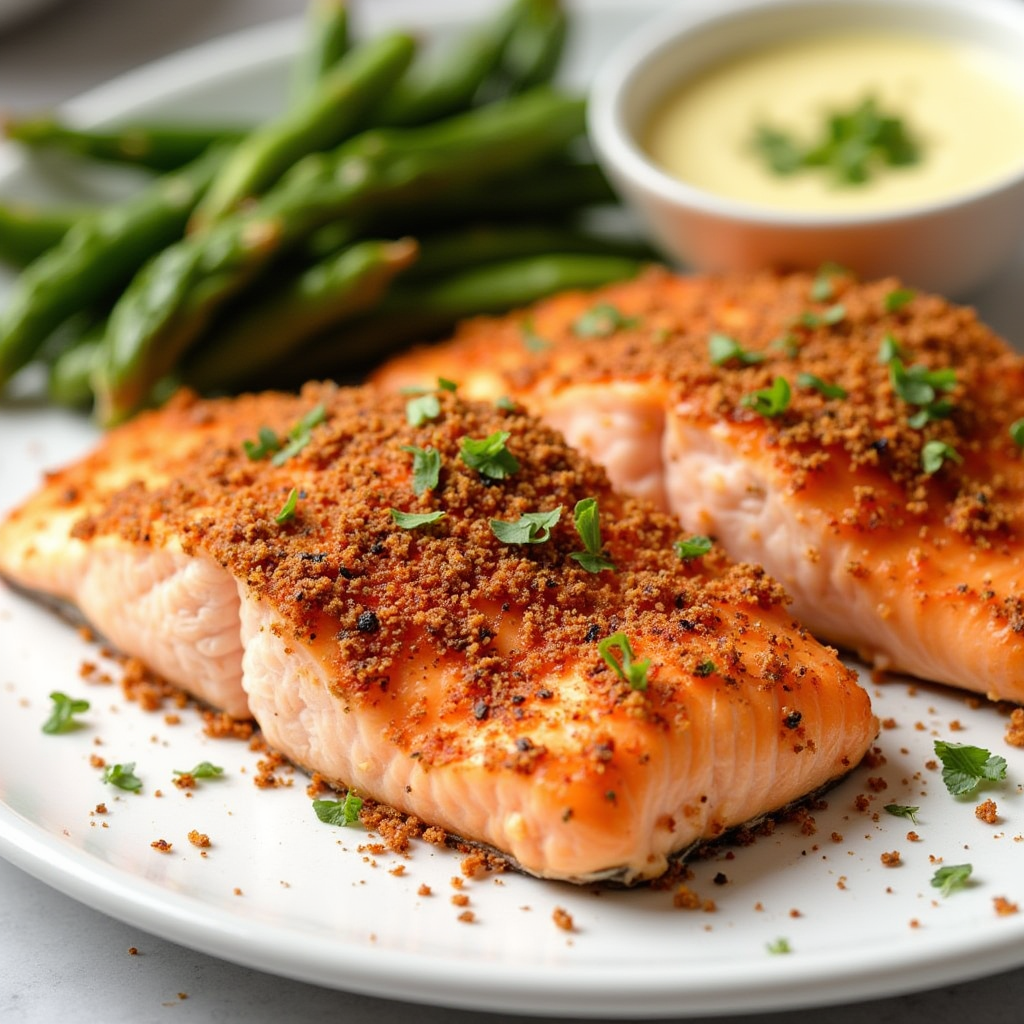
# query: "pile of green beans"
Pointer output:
{"type": "Point", "coordinates": [397, 193]}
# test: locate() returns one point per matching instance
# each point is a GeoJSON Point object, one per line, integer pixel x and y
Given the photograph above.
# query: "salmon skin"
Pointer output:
{"type": "Point", "coordinates": [588, 707]}
{"type": "Point", "coordinates": [856, 439]}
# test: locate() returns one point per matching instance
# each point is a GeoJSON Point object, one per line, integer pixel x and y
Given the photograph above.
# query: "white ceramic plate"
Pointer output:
{"type": "Point", "coordinates": [279, 891]}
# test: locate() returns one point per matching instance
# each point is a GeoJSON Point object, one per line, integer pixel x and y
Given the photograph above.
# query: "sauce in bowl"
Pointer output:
{"type": "Point", "coordinates": [962, 104]}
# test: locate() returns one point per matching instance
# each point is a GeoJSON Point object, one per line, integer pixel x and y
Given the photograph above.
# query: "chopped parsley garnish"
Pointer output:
{"type": "Point", "coordinates": [722, 349]}
{"type": "Point", "coordinates": [602, 321]}
{"type": "Point", "coordinates": [203, 770]}
{"type": "Point", "coordinates": [705, 668]}
{"type": "Point", "coordinates": [779, 946]}
{"type": "Point", "coordinates": [692, 547]}
{"type": "Point", "coordinates": [789, 344]}
{"type": "Point", "coordinates": [898, 298]}
{"type": "Point", "coordinates": [951, 877]}
{"type": "Point", "coordinates": [1017, 433]}
{"type": "Point", "coordinates": [826, 318]}
{"type": "Point", "coordinates": [917, 385]}
{"type": "Point", "coordinates": [339, 812]}
{"type": "Point", "coordinates": [964, 767]}
{"type": "Point", "coordinates": [288, 509]}
{"type": "Point", "coordinates": [935, 453]}
{"type": "Point", "coordinates": [300, 435]}
{"type": "Point", "coordinates": [412, 520]}
{"type": "Point", "coordinates": [266, 444]}
{"type": "Point", "coordinates": [426, 467]}
{"type": "Point", "coordinates": [123, 776]}
{"type": "Point", "coordinates": [770, 402]}
{"type": "Point", "coordinates": [489, 456]}
{"type": "Point", "coordinates": [421, 409]}
{"type": "Point", "coordinates": [624, 666]}
{"type": "Point", "coordinates": [588, 526]}
{"type": "Point", "coordinates": [903, 811]}
{"type": "Point", "coordinates": [506, 403]}
{"type": "Point", "coordinates": [889, 350]}
{"type": "Point", "coordinates": [810, 382]}
{"type": "Point", "coordinates": [532, 341]}
{"type": "Point", "coordinates": [853, 146]}
{"type": "Point", "coordinates": [444, 384]}
{"type": "Point", "coordinates": [62, 715]}
{"type": "Point", "coordinates": [529, 528]}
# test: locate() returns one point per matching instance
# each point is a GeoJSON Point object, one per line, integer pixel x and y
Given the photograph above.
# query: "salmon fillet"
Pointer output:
{"type": "Point", "coordinates": [454, 674]}
{"type": "Point", "coordinates": [878, 482]}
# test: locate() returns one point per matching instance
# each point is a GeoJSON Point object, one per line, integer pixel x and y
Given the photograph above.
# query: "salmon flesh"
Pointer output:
{"type": "Point", "coordinates": [856, 439]}
{"type": "Point", "coordinates": [586, 701]}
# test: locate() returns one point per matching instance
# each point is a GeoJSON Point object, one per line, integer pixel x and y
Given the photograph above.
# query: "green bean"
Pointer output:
{"type": "Point", "coordinates": [170, 302]}
{"type": "Point", "coordinates": [446, 252]}
{"type": "Point", "coordinates": [534, 50]}
{"type": "Point", "coordinates": [94, 258]}
{"type": "Point", "coordinates": [323, 120]}
{"type": "Point", "coordinates": [160, 147]}
{"type": "Point", "coordinates": [26, 232]}
{"type": "Point", "coordinates": [70, 381]}
{"type": "Point", "coordinates": [326, 41]}
{"type": "Point", "coordinates": [446, 83]}
{"type": "Point", "coordinates": [269, 328]}
{"type": "Point", "coordinates": [416, 312]}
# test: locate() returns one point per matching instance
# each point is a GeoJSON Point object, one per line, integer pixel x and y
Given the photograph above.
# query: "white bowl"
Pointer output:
{"type": "Point", "coordinates": [948, 246]}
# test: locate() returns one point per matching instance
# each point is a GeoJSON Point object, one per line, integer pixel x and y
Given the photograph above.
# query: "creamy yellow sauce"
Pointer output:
{"type": "Point", "coordinates": [963, 103]}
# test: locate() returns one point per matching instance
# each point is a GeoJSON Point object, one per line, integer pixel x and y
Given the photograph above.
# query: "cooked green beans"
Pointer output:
{"type": "Point", "coordinates": [324, 119]}
{"type": "Point", "coordinates": [95, 257]}
{"type": "Point", "coordinates": [326, 42]}
{"type": "Point", "coordinates": [26, 232]}
{"type": "Point", "coordinates": [158, 146]}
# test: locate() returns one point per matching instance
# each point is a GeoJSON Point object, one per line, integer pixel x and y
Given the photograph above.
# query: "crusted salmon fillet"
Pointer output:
{"type": "Point", "coordinates": [588, 705]}
{"type": "Point", "coordinates": [855, 439]}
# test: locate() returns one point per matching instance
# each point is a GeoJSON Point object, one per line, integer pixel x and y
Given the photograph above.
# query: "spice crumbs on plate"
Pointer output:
{"type": "Point", "coordinates": [987, 811]}
{"type": "Point", "coordinates": [133, 951]}
{"type": "Point", "coordinates": [891, 859]}
{"type": "Point", "coordinates": [460, 899]}
{"type": "Point", "coordinates": [467, 917]}
{"type": "Point", "coordinates": [563, 919]}
{"type": "Point", "coordinates": [1003, 906]}
{"type": "Point", "coordinates": [161, 845]}
{"type": "Point", "coordinates": [424, 890]}
{"type": "Point", "coordinates": [200, 839]}
{"type": "Point", "coordinates": [1015, 728]}
{"type": "Point", "coordinates": [96, 761]}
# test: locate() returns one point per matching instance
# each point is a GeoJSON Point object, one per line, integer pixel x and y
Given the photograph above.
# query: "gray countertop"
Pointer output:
{"type": "Point", "coordinates": [60, 960]}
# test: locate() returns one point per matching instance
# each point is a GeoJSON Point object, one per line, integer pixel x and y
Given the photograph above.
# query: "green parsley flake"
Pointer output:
{"type": "Point", "coordinates": [339, 812]}
{"type": "Point", "coordinates": [123, 776]}
{"type": "Point", "coordinates": [413, 520]}
{"type": "Point", "coordinates": [826, 318]}
{"type": "Point", "coordinates": [903, 811]}
{"type": "Point", "coordinates": [426, 467]}
{"type": "Point", "coordinates": [778, 947]}
{"type": "Point", "coordinates": [421, 409]}
{"type": "Point", "coordinates": [810, 382]}
{"type": "Point", "coordinates": [722, 349]}
{"type": "Point", "coordinates": [602, 321]}
{"type": "Point", "coordinates": [1017, 433]}
{"type": "Point", "coordinates": [823, 286]}
{"type": "Point", "coordinates": [505, 403]}
{"type": "Point", "coordinates": [788, 343]}
{"type": "Point", "coordinates": [288, 509]}
{"type": "Point", "coordinates": [854, 146]}
{"type": "Point", "coordinates": [935, 453]}
{"type": "Point", "coordinates": [529, 528]}
{"type": "Point", "coordinates": [203, 770]}
{"type": "Point", "coordinates": [964, 767]}
{"type": "Point", "coordinates": [705, 668]}
{"type": "Point", "coordinates": [889, 350]}
{"type": "Point", "coordinates": [898, 298]}
{"type": "Point", "coordinates": [588, 526]}
{"type": "Point", "coordinates": [628, 670]}
{"type": "Point", "coordinates": [770, 402]}
{"type": "Point", "coordinates": [951, 877]}
{"type": "Point", "coordinates": [300, 435]}
{"type": "Point", "coordinates": [489, 456]}
{"type": "Point", "coordinates": [917, 385]}
{"type": "Point", "coordinates": [692, 547]}
{"type": "Point", "coordinates": [61, 716]}
{"type": "Point", "coordinates": [444, 384]}
{"type": "Point", "coordinates": [268, 442]}
{"type": "Point", "coordinates": [532, 341]}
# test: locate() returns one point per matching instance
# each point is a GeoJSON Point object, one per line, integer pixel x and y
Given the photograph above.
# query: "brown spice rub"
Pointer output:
{"type": "Point", "coordinates": [836, 337]}
{"type": "Point", "coordinates": [342, 573]}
